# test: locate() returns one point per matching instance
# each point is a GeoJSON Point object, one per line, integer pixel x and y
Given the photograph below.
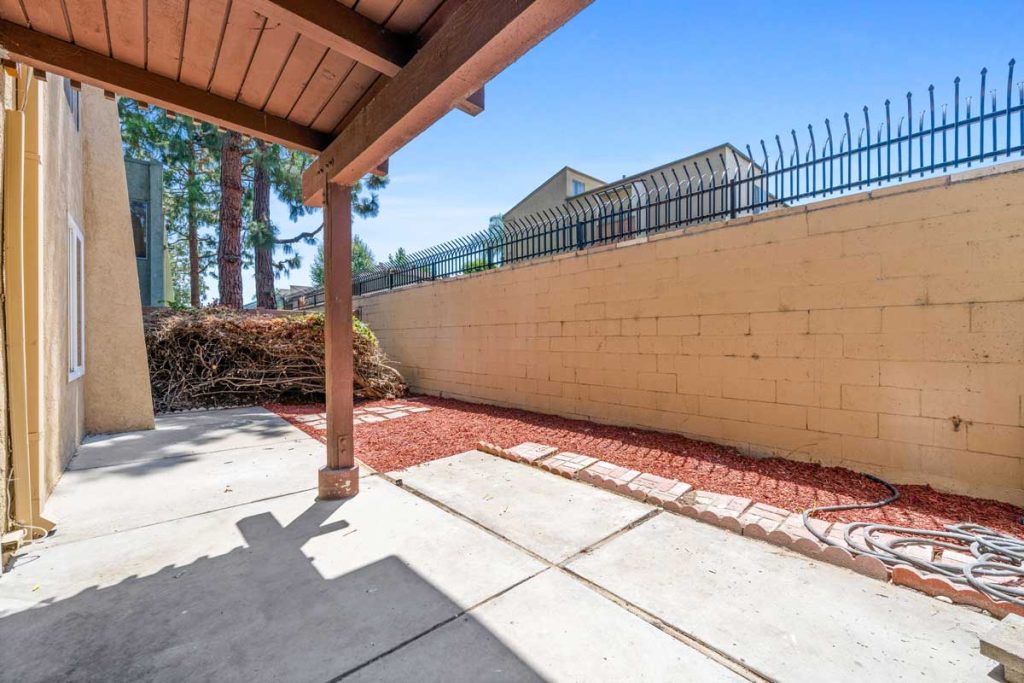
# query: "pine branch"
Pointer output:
{"type": "Point", "coordinates": [301, 236]}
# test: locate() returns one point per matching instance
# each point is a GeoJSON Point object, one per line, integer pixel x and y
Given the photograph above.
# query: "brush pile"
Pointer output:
{"type": "Point", "coordinates": [214, 358]}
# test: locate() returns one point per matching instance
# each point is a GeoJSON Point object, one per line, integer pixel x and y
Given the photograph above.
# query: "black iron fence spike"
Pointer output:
{"type": "Point", "coordinates": [981, 116]}
{"type": "Point", "coordinates": [661, 200]}
{"type": "Point", "coordinates": [1009, 104]}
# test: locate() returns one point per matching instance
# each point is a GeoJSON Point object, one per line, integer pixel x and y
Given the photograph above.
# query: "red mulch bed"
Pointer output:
{"type": "Point", "coordinates": [454, 426]}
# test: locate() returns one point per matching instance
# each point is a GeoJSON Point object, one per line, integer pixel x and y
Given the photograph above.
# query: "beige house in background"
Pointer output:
{"type": "Point", "coordinates": [564, 184]}
{"type": "Point", "coordinates": [637, 201]}
{"type": "Point", "coordinates": [72, 354]}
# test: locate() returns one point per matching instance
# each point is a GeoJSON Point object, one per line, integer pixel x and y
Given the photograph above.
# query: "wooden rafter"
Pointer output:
{"type": "Point", "coordinates": [57, 56]}
{"type": "Point", "coordinates": [477, 41]}
{"type": "Point", "coordinates": [343, 30]}
{"type": "Point", "coordinates": [347, 32]}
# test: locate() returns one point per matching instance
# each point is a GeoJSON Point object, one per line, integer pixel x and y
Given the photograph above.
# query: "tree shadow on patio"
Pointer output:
{"type": "Point", "coordinates": [260, 612]}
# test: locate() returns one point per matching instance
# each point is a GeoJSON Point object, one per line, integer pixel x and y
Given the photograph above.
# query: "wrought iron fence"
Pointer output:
{"type": "Point", "coordinates": [972, 132]}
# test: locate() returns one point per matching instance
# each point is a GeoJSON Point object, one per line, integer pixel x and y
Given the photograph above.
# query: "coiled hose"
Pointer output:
{"type": "Point", "coordinates": [995, 571]}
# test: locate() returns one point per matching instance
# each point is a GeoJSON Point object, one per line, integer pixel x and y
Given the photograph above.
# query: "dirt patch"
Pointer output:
{"type": "Point", "coordinates": [454, 426]}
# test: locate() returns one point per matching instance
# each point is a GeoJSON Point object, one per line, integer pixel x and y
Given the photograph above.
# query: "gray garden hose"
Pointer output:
{"type": "Point", "coordinates": [997, 557]}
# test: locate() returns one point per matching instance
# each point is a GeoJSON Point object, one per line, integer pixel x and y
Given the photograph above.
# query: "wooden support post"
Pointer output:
{"type": "Point", "coordinates": [340, 477]}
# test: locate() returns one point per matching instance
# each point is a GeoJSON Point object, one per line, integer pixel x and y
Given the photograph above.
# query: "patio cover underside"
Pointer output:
{"type": "Point", "coordinates": [349, 81]}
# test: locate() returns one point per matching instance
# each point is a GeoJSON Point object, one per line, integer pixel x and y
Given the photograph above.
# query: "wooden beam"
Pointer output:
{"type": "Point", "coordinates": [78, 64]}
{"type": "Point", "coordinates": [344, 30]}
{"type": "Point", "coordinates": [477, 41]}
{"type": "Point", "coordinates": [437, 20]}
{"type": "Point", "coordinates": [474, 104]}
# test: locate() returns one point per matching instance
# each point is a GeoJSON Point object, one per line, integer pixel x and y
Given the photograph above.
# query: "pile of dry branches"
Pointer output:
{"type": "Point", "coordinates": [220, 357]}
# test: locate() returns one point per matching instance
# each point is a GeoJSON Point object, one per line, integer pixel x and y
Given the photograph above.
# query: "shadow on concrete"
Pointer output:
{"type": "Point", "coordinates": [180, 435]}
{"type": "Point", "coordinates": [261, 612]}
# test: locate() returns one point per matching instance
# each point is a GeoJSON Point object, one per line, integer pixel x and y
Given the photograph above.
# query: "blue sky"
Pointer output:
{"type": "Point", "coordinates": [628, 85]}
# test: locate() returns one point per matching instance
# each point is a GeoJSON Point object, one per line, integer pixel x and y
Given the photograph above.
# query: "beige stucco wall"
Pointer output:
{"type": "Point", "coordinates": [7, 100]}
{"type": "Point", "coordinates": [83, 177]}
{"type": "Point", "coordinates": [63, 401]}
{"type": "Point", "coordinates": [117, 395]}
{"type": "Point", "coordinates": [883, 332]}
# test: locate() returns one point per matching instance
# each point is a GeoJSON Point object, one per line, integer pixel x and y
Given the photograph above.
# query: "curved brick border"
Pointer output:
{"type": "Point", "coordinates": [741, 515]}
{"type": "Point", "coordinates": [933, 584]}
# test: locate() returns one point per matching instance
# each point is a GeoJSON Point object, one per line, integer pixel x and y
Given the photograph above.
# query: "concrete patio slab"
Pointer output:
{"type": "Point", "coordinates": [102, 500]}
{"type": "Point", "coordinates": [183, 434]}
{"type": "Point", "coordinates": [286, 589]}
{"type": "Point", "coordinates": [783, 615]}
{"type": "Point", "coordinates": [595, 640]}
{"type": "Point", "coordinates": [550, 516]}
{"type": "Point", "coordinates": [219, 565]}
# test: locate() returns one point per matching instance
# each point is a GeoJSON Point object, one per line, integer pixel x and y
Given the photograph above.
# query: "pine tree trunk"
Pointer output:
{"type": "Point", "coordinates": [193, 257]}
{"type": "Point", "coordinates": [265, 296]}
{"type": "Point", "coordinates": [193, 241]}
{"type": "Point", "coordinates": [229, 249]}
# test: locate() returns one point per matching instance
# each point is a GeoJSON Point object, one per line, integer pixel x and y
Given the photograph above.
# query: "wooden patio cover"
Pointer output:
{"type": "Point", "coordinates": [348, 80]}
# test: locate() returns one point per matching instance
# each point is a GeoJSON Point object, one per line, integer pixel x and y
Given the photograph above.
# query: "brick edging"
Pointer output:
{"type": "Point", "coordinates": [740, 515]}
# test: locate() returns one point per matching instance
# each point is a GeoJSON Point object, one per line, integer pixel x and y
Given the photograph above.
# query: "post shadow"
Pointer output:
{"type": "Point", "coordinates": [261, 612]}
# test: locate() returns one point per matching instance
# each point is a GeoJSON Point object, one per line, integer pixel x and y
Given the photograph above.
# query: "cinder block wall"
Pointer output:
{"type": "Point", "coordinates": [883, 332]}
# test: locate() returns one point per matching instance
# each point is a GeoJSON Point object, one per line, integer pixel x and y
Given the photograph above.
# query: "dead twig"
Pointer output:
{"type": "Point", "coordinates": [219, 357]}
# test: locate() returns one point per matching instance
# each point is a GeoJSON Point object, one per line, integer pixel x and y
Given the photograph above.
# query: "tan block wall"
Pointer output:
{"type": "Point", "coordinates": [883, 332]}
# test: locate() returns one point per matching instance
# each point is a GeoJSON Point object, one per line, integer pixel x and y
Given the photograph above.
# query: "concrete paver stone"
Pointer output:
{"type": "Point", "coordinates": [530, 452]}
{"type": "Point", "coordinates": [657, 490]}
{"type": "Point", "coordinates": [567, 464]}
{"type": "Point", "coordinates": [760, 519]}
{"type": "Point", "coordinates": [609, 476]}
{"type": "Point", "coordinates": [1005, 644]}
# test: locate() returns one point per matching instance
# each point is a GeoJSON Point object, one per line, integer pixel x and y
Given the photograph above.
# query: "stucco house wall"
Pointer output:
{"type": "Point", "coordinates": [552, 192]}
{"type": "Point", "coordinates": [5, 460]}
{"type": "Point", "coordinates": [83, 179]}
{"type": "Point", "coordinates": [117, 394]}
{"type": "Point", "coordinates": [882, 331]}
{"type": "Point", "coordinates": [63, 400]}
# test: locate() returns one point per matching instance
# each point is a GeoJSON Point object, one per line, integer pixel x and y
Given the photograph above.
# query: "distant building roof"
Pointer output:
{"type": "Point", "coordinates": [556, 174]}
{"type": "Point", "coordinates": [728, 151]}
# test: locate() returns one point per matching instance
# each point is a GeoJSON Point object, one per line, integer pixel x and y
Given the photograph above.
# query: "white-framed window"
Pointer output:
{"type": "Point", "coordinates": [577, 188]}
{"type": "Point", "coordinates": [76, 301]}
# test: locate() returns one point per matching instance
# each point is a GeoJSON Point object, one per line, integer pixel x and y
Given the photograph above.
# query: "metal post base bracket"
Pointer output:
{"type": "Point", "coordinates": [337, 484]}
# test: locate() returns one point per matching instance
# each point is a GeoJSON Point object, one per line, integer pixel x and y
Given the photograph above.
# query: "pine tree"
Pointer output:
{"type": "Point", "coordinates": [362, 260]}
{"type": "Point", "coordinates": [217, 189]}
{"type": "Point", "coordinates": [186, 150]}
{"type": "Point", "coordinates": [400, 259]}
{"type": "Point", "coordinates": [280, 169]}
{"type": "Point", "coordinates": [284, 168]}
